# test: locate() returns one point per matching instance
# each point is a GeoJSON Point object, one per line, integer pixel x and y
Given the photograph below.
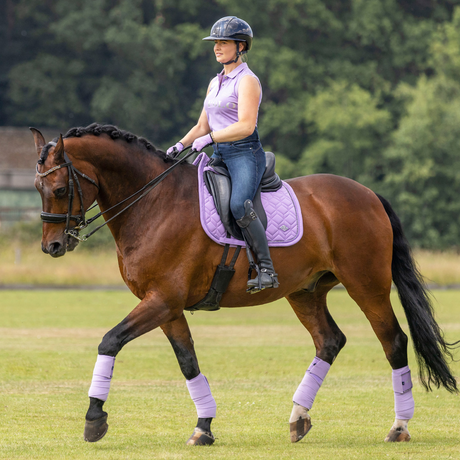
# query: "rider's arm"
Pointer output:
{"type": "Point", "coordinates": [200, 129]}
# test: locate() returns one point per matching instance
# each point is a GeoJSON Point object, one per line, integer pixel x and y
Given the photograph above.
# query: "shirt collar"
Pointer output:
{"type": "Point", "coordinates": [234, 72]}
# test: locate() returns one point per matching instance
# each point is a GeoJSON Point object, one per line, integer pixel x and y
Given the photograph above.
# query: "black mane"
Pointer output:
{"type": "Point", "coordinates": [95, 129]}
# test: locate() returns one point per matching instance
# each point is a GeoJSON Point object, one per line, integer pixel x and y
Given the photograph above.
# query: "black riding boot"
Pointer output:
{"type": "Point", "coordinates": [254, 234]}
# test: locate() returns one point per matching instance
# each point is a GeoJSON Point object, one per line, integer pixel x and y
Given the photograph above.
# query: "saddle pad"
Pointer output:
{"type": "Point", "coordinates": [284, 217]}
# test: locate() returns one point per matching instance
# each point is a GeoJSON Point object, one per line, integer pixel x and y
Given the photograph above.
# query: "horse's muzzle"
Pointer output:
{"type": "Point", "coordinates": [58, 249]}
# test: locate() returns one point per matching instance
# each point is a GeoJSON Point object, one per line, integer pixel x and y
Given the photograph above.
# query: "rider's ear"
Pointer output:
{"type": "Point", "coordinates": [59, 151]}
{"type": "Point", "coordinates": [39, 140]}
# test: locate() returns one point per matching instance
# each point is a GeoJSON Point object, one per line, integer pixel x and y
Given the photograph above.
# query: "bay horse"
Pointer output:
{"type": "Point", "coordinates": [351, 236]}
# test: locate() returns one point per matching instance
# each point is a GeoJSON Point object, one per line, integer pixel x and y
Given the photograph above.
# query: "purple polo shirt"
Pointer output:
{"type": "Point", "coordinates": [221, 104]}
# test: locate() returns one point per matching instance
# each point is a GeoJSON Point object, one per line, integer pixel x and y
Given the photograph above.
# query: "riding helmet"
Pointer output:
{"type": "Point", "coordinates": [232, 28]}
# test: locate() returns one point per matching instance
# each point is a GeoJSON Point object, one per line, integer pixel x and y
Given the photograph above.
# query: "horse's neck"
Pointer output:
{"type": "Point", "coordinates": [122, 170]}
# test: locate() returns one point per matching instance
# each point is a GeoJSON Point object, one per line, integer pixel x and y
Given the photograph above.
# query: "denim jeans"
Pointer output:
{"type": "Point", "coordinates": [245, 161]}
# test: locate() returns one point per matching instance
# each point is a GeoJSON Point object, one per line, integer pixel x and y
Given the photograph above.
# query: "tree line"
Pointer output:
{"type": "Point", "coordinates": [367, 89]}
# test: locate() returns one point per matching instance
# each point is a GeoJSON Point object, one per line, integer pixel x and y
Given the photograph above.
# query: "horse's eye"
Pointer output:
{"type": "Point", "coordinates": [60, 192]}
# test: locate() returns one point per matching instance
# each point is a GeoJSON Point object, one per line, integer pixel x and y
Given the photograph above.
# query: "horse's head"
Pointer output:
{"type": "Point", "coordinates": [62, 196]}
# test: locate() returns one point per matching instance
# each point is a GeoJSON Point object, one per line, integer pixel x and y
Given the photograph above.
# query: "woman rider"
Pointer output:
{"type": "Point", "coordinates": [229, 122]}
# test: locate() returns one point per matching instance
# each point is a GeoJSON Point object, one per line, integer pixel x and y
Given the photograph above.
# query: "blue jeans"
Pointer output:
{"type": "Point", "coordinates": [245, 161]}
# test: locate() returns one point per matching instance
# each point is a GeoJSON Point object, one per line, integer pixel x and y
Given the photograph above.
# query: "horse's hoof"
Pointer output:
{"type": "Point", "coordinates": [300, 429]}
{"type": "Point", "coordinates": [299, 423]}
{"type": "Point", "coordinates": [95, 429]}
{"type": "Point", "coordinates": [200, 438]}
{"type": "Point", "coordinates": [398, 432]}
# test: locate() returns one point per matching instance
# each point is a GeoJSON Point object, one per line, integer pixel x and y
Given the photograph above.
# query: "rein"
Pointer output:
{"type": "Point", "coordinates": [81, 221]}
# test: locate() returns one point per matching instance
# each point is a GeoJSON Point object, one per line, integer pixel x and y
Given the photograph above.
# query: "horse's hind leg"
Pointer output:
{"type": "Point", "coordinates": [374, 300]}
{"type": "Point", "coordinates": [311, 309]}
{"type": "Point", "coordinates": [179, 336]}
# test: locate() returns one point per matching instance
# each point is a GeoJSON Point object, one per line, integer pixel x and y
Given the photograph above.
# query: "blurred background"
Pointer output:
{"type": "Point", "coordinates": [367, 89]}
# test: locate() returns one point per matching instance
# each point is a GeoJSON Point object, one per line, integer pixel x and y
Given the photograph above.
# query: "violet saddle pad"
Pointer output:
{"type": "Point", "coordinates": [284, 217]}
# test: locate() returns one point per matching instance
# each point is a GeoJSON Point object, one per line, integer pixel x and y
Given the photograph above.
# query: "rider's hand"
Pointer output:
{"type": "Point", "coordinates": [203, 141]}
{"type": "Point", "coordinates": [174, 151]}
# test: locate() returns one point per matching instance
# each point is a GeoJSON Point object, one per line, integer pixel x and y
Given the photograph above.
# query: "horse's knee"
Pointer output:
{"type": "Point", "coordinates": [187, 360]}
{"type": "Point", "coordinates": [110, 345]}
{"type": "Point", "coordinates": [332, 346]}
{"type": "Point", "coordinates": [397, 354]}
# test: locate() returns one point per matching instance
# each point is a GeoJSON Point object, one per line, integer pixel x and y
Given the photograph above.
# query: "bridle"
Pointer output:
{"type": "Point", "coordinates": [54, 218]}
{"type": "Point", "coordinates": [80, 219]}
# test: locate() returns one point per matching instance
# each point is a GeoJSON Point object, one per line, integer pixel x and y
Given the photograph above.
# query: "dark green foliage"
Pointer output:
{"type": "Point", "coordinates": [362, 88]}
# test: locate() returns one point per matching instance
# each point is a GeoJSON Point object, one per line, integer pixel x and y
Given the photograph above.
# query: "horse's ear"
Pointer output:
{"type": "Point", "coordinates": [39, 140]}
{"type": "Point", "coordinates": [59, 151]}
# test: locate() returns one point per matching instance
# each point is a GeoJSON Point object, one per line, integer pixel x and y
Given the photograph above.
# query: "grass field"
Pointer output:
{"type": "Point", "coordinates": [254, 359]}
{"type": "Point", "coordinates": [19, 262]}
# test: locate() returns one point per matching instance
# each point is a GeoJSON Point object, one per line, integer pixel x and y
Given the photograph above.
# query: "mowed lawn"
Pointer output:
{"type": "Point", "coordinates": [254, 359]}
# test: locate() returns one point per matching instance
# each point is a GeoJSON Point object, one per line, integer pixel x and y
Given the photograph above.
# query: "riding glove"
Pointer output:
{"type": "Point", "coordinates": [174, 151]}
{"type": "Point", "coordinates": [203, 141]}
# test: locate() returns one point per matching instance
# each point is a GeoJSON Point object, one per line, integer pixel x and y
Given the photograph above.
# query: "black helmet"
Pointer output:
{"type": "Point", "coordinates": [232, 28]}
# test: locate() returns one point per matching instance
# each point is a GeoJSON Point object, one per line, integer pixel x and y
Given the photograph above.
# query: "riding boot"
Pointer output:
{"type": "Point", "coordinates": [254, 234]}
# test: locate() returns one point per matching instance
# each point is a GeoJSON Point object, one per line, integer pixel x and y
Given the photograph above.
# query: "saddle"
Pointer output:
{"type": "Point", "coordinates": [279, 212]}
{"type": "Point", "coordinates": [217, 181]}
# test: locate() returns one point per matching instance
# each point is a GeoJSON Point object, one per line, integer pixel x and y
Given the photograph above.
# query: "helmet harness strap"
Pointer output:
{"type": "Point", "coordinates": [238, 54]}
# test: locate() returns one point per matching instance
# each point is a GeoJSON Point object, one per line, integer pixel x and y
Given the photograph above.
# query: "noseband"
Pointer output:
{"type": "Point", "coordinates": [80, 220]}
{"type": "Point", "coordinates": [54, 218]}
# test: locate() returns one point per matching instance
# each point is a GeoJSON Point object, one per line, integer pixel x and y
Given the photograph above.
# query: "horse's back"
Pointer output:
{"type": "Point", "coordinates": [346, 217]}
{"type": "Point", "coordinates": [338, 200]}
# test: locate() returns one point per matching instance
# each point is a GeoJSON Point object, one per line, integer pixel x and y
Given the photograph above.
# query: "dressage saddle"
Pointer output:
{"type": "Point", "coordinates": [218, 183]}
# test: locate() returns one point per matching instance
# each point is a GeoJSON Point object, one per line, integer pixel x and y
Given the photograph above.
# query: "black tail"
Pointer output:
{"type": "Point", "coordinates": [431, 349]}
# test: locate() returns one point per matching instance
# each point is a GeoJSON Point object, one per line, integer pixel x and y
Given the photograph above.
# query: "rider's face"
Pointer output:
{"type": "Point", "coordinates": [225, 50]}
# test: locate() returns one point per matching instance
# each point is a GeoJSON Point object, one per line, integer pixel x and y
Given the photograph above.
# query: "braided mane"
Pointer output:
{"type": "Point", "coordinates": [95, 129]}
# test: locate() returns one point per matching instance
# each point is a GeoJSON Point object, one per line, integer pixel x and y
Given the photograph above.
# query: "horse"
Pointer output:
{"type": "Point", "coordinates": [351, 236]}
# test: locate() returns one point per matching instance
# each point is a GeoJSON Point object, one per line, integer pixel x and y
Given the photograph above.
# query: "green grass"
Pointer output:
{"type": "Point", "coordinates": [89, 267]}
{"type": "Point", "coordinates": [254, 359]}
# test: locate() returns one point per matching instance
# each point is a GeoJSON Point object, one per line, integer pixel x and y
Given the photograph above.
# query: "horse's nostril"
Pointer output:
{"type": "Point", "coordinates": [54, 248]}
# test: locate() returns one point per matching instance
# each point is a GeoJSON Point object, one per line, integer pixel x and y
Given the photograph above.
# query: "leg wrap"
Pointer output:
{"type": "Point", "coordinates": [306, 392]}
{"type": "Point", "coordinates": [103, 371]}
{"type": "Point", "coordinates": [200, 392]}
{"type": "Point", "coordinates": [402, 387]}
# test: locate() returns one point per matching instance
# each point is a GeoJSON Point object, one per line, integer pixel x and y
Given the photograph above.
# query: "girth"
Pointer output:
{"type": "Point", "coordinates": [218, 183]}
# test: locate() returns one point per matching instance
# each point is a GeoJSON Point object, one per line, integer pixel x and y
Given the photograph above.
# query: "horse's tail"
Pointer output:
{"type": "Point", "coordinates": [431, 349]}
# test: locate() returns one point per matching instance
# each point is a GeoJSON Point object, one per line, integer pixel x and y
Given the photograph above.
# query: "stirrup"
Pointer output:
{"type": "Point", "coordinates": [255, 285]}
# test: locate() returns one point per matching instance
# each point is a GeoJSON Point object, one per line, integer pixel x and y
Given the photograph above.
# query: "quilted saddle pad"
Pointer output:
{"type": "Point", "coordinates": [284, 217]}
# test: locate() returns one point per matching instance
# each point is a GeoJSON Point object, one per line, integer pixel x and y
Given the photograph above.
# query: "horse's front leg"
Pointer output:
{"type": "Point", "coordinates": [150, 313]}
{"type": "Point", "coordinates": [181, 340]}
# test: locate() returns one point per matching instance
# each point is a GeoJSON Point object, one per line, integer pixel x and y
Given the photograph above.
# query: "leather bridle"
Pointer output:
{"type": "Point", "coordinates": [80, 220]}
{"type": "Point", "coordinates": [54, 218]}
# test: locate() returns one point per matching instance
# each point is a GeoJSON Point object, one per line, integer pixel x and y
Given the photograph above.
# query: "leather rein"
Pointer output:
{"type": "Point", "coordinates": [80, 219]}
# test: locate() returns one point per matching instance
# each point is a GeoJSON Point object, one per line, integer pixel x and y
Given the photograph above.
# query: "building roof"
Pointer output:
{"type": "Point", "coordinates": [17, 148]}
{"type": "Point", "coordinates": [18, 157]}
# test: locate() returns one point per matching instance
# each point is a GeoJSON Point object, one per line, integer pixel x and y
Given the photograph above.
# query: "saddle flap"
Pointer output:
{"type": "Point", "coordinates": [220, 188]}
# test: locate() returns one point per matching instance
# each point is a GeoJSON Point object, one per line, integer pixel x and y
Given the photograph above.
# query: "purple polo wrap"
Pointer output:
{"type": "Point", "coordinates": [200, 392]}
{"type": "Point", "coordinates": [284, 216]}
{"type": "Point", "coordinates": [102, 375]}
{"type": "Point", "coordinates": [311, 383]}
{"type": "Point", "coordinates": [402, 387]}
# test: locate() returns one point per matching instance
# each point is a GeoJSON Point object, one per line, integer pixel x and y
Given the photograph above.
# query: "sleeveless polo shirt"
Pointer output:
{"type": "Point", "coordinates": [221, 104]}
